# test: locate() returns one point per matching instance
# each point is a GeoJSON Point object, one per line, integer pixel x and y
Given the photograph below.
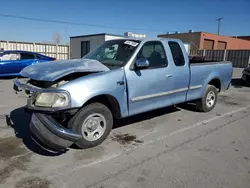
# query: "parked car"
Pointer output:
{"type": "Point", "coordinates": [13, 61]}
{"type": "Point", "coordinates": [245, 79]}
{"type": "Point", "coordinates": [75, 101]}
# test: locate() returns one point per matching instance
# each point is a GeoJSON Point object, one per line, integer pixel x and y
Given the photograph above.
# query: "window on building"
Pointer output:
{"type": "Point", "coordinates": [85, 48]}
{"type": "Point", "coordinates": [221, 45]}
{"type": "Point", "coordinates": [208, 44]}
{"type": "Point", "coordinates": [177, 53]}
{"type": "Point", "coordinates": [154, 52]}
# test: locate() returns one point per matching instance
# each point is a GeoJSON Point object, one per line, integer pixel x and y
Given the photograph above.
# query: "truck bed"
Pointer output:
{"type": "Point", "coordinates": [202, 60]}
{"type": "Point", "coordinates": [202, 72]}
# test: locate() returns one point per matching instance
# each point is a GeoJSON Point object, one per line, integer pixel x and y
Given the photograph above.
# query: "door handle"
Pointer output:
{"type": "Point", "coordinates": [169, 76]}
{"type": "Point", "coordinates": [120, 83]}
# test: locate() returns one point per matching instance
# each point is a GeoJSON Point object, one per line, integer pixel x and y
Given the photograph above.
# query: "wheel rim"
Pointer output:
{"type": "Point", "coordinates": [94, 127]}
{"type": "Point", "coordinates": [210, 100]}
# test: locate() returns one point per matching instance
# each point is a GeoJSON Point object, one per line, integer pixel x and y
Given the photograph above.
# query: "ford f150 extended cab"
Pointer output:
{"type": "Point", "coordinates": [75, 101]}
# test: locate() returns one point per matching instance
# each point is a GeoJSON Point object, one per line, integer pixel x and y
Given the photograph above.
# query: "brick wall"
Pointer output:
{"type": "Point", "coordinates": [232, 43]}
{"type": "Point", "coordinates": [196, 40]}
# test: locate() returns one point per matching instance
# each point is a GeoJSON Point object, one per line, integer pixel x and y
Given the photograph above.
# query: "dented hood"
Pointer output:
{"type": "Point", "coordinates": [53, 70]}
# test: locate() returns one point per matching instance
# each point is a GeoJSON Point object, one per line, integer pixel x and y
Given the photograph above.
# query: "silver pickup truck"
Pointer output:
{"type": "Point", "coordinates": [75, 101]}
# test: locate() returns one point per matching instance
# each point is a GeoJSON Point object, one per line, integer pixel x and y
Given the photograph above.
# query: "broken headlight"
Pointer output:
{"type": "Point", "coordinates": [50, 99]}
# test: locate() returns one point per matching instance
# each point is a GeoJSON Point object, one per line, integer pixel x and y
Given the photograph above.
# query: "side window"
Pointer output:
{"type": "Point", "coordinates": [38, 57]}
{"type": "Point", "coordinates": [27, 56]}
{"type": "Point", "coordinates": [154, 52]}
{"type": "Point", "coordinates": [10, 57]}
{"type": "Point", "coordinates": [177, 53]}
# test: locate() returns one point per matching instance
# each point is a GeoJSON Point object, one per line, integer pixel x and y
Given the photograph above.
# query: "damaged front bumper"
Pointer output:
{"type": "Point", "coordinates": [45, 130]}
{"type": "Point", "coordinates": [50, 134]}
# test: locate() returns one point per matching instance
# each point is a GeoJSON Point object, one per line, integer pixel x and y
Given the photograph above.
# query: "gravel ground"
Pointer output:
{"type": "Point", "coordinates": [171, 147]}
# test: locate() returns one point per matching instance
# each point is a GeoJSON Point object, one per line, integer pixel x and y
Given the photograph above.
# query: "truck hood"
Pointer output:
{"type": "Point", "coordinates": [53, 70]}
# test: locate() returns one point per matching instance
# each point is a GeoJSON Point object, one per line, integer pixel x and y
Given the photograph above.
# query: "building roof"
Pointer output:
{"type": "Point", "coordinates": [242, 37]}
{"type": "Point", "coordinates": [98, 34]}
{"type": "Point", "coordinates": [166, 34]}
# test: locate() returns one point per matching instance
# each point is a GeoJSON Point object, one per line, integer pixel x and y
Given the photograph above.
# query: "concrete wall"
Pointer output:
{"type": "Point", "coordinates": [75, 44]}
{"type": "Point", "coordinates": [232, 43]}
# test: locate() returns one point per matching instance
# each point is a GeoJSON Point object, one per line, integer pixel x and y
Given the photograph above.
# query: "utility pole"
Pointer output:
{"type": "Point", "coordinates": [218, 31]}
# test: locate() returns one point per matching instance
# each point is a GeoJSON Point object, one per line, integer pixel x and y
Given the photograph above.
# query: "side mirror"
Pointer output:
{"type": "Point", "coordinates": [142, 63]}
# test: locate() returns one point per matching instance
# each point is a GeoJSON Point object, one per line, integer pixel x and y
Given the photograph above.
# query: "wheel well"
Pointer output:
{"type": "Point", "coordinates": [216, 83]}
{"type": "Point", "coordinates": [109, 101]}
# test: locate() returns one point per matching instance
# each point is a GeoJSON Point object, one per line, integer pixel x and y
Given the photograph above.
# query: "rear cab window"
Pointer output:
{"type": "Point", "coordinates": [177, 53]}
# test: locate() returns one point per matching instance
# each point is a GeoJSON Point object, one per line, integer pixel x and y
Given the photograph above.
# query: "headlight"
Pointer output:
{"type": "Point", "coordinates": [52, 100]}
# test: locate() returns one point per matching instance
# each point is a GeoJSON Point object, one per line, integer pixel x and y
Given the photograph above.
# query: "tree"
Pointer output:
{"type": "Point", "coordinates": [57, 38]}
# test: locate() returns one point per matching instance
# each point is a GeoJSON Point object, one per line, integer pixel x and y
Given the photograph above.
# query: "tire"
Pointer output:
{"type": "Point", "coordinates": [92, 113]}
{"type": "Point", "coordinates": [203, 104]}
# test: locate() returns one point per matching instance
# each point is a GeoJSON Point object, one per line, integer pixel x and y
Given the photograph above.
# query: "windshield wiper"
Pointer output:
{"type": "Point", "coordinates": [112, 64]}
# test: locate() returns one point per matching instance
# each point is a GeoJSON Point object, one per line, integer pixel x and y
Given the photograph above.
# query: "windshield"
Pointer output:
{"type": "Point", "coordinates": [114, 52]}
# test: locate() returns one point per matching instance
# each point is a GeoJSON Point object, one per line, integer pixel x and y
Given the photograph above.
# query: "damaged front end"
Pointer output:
{"type": "Point", "coordinates": [51, 111]}
{"type": "Point", "coordinates": [51, 106]}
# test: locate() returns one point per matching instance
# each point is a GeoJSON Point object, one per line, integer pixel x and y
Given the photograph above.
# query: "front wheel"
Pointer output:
{"type": "Point", "coordinates": [94, 122]}
{"type": "Point", "coordinates": [208, 100]}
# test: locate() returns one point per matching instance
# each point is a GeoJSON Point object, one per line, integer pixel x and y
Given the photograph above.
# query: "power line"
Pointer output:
{"type": "Point", "coordinates": [73, 23]}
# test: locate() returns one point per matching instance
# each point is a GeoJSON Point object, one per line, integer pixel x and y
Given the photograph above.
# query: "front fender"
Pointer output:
{"type": "Point", "coordinates": [106, 83]}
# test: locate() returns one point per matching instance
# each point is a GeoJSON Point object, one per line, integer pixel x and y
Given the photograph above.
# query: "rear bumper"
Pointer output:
{"type": "Point", "coordinates": [50, 134]}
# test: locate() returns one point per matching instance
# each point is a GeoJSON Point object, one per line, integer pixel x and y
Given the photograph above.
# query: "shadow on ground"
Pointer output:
{"type": "Point", "coordinates": [19, 120]}
{"type": "Point", "coordinates": [9, 77]}
{"type": "Point", "coordinates": [237, 83]}
{"type": "Point", "coordinates": [144, 116]}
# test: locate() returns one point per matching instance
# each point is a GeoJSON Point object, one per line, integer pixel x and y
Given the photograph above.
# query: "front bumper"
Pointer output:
{"type": "Point", "coordinates": [50, 134]}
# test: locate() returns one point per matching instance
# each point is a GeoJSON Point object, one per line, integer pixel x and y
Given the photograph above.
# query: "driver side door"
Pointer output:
{"type": "Point", "coordinates": [7, 63]}
{"type": "Point", "coordinates": [150, 88]}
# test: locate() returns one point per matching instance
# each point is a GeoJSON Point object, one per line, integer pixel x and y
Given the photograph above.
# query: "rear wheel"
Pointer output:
{"type": "Point", "coordinates": [209, 99]}
{"type": "Point", "coordinates": [94, 122]}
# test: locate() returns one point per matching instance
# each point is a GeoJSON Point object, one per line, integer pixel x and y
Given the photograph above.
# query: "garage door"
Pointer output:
{"type": "Point", "coordinates": [208, 44]}
{"type": "Point", "coordinates": [221, 45]}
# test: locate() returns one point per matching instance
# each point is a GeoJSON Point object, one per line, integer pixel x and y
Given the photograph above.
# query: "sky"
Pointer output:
{"type": "Point", "coordinates": [151, 16]}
